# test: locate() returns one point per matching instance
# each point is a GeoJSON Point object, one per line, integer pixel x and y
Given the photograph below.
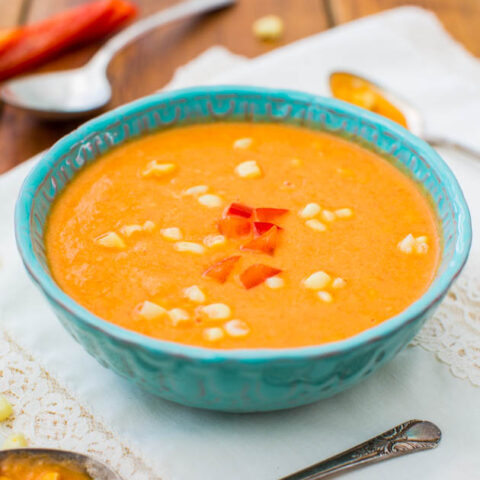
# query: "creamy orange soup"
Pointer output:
{"type": "Point", "coordinates": [39, 468]}
{"type": "Point", "coordinates": [243, 235]}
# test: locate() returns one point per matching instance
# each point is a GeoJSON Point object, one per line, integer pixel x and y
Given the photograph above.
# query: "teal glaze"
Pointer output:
{"type": "Point", "coordinates": [240, 380]}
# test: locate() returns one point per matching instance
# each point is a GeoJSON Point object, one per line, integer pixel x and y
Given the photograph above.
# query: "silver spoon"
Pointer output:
{"type": "Point", "coordinates": [92, 467]}
{"type": "Point", "coordinates": [82, 91]}
{"type": "Point", "coordinates": [413, 117]}
{"type": "Point", "coordinates": [409, 437]}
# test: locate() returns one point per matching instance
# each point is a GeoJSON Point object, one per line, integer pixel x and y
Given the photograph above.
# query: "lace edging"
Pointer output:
{"type": "Point", "coordinates": [453, 333]}
{"type": "Point", "coordinates": [46, 412]}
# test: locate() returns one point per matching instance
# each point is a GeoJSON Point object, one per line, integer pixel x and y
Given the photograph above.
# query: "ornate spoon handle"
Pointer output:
{"type": "Point", "coordinates": [409, 437]}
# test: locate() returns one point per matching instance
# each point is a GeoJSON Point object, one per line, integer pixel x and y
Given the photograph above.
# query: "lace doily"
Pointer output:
{"type": "Point", "coordinates": [453, 333]}
{"type": "Point", "coordinates": [48, 415]}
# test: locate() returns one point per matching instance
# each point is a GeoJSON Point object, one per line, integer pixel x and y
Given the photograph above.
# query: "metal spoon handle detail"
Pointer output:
{"type": "Point", "coordinates": [177, 12]}
{"type": "Point", "coordinates": [409, 437]}
{"type": "Point", "coordinates": [454, 145]}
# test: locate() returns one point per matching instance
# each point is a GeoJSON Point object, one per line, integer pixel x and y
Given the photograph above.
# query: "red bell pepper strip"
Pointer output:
{"type": "Point", "coordinates": [265, 243]}
{"type": "Point", "coordinates": [257, 274]}
{"type": "Point", "coordinates": [234, 227]}
{"type": "Point", "coordinates": [221, 270]}
{"type": "Point", "coordinates": [41, 41]}
{"type": "Point", "coordinates": [122, 11]}
{"type": "Point", "coordinates": [269, 214]}
{"type": "Point", "coordinates": [8, 37]}
{"type": "Point", "coordinates": [239, 210]}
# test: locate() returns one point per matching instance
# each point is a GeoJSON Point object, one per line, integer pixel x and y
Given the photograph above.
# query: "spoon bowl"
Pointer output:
{"type": "Point", "coordinates": [60, 95]}
{"type": "Point", "coordinates": [92, 467]}
{"type": "Point", "coordinates": [368, 94]}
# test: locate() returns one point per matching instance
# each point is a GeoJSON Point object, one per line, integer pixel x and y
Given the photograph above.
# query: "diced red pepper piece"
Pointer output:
{"type": "Point", "coordinates": [234, 227]}
{"type": "Point", "coordinates": [239, 210]}
{"type": "Point", "coordinates": [221, 270]}
{"type": "Point", "coordinates": [259, 228]}
{"type": "Point", "coordinates": [269, 214]}
{"type": "Point", "coordinates": [43, 40]}
{"type": "Point", "coordinates": [257, 274]}
{"type": "Point", "coordinates": [265, 243]}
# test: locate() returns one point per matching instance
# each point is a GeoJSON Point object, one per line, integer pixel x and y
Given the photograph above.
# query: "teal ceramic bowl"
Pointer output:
{"type": "Point", "coordinates": [255, 379]}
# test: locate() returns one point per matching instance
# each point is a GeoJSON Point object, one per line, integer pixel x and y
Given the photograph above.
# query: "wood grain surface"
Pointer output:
{"type": "Point", "coordinates": [158, 54]}
{"type": "Point", "coordinates": [11, 12]}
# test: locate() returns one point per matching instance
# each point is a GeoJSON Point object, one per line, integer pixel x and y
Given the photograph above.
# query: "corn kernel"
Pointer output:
{"type": "Point", "coordinates": [178, 315]}
{"type": "Point", "coordinates": [338, 283]}
{"type": "Point", "coordinates": [50, 476]}
{"type": "Point", "coordinates": [5, 408]}
{"type": "Point", "coordinates": [196, 190]}
{"type": "Point", "coordinates": [129, 230]}
{"type": "Point", "coordinates": [150, 311]}
{"type": "Point", "coordinates": [364, 98]}
{"type": "Point", "coordinates": [194, 294]}
{"type": "Point", "coordinates": [214, 240]}
{"type": "Point", "coordinates": [171, 233]}
{"type": "Point", "coordinates": [317, 280]}
{"type": "Point", "coordinates": [209, 200]}
{"type": "Point", "coordinates": [310, 210]}
{"type": "Point", "coordinates": [328, 216]}
{"type": "Point", "coordinates": [274, 282]}
{"type": "Point", "coordinates": [344, 212]}
{"type": "Point", "coordinates": [269, 27]}
{"type": "Point", "coordinates": [189, 247]}
{"type": "Point", "coordinates": [421, 245]}
{"type": "Point", "coordinates": [421, 248]}
{"type": "Point", "coordinates": [248, 169]}
{"type": "Point", "coordinates": [407, 244]}
{"type": "Point", "coordinates": [148, 226]}
{"type": "Point", "coordinates": [316, 225]}
{"type": "Point", "coordinates": [110, 240]}
{"type": "Point", "coordinates": [410, 244]}
{"type": "Point", "coordinates": [242, 143]}
{"type": "Point", "coordinates": [213, 334]}
{"type": "Point", "coordinates": [154, 169]}
{"type": "Point", "coordinates": [16, 440]}
{"type": "Point", "coordinates": [217, 311]}
{"type": "Point", "coordinates": [236, 328]}
{"type": "Point", "coordinates": [325, 296]}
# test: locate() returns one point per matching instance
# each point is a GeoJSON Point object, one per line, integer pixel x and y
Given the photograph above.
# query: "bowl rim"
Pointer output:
{"type": "Point", "coordinates": [45, 282]}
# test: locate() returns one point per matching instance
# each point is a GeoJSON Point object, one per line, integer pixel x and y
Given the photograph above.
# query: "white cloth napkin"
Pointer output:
{"type": "Point", "coordinates": [407, 50]}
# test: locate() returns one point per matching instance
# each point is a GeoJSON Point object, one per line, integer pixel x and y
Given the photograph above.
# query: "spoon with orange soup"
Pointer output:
{"type": "Point", "coordinates": [367, 94]}
{"type": "Point", "coordinates": [51, 464]}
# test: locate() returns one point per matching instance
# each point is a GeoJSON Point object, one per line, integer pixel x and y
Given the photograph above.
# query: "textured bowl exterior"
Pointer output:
{"type": "Point", "coordinates": [240, 380]}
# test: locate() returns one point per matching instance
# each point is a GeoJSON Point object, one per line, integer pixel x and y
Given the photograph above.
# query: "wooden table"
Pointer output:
{"type": "Point", "coordinates": [158, 55]}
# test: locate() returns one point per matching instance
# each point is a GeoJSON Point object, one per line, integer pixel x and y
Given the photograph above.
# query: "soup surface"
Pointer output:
{"type": "Point", "coordinates": [39, 468]}
{"type": "Point", "coordinates": [243, 236]}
